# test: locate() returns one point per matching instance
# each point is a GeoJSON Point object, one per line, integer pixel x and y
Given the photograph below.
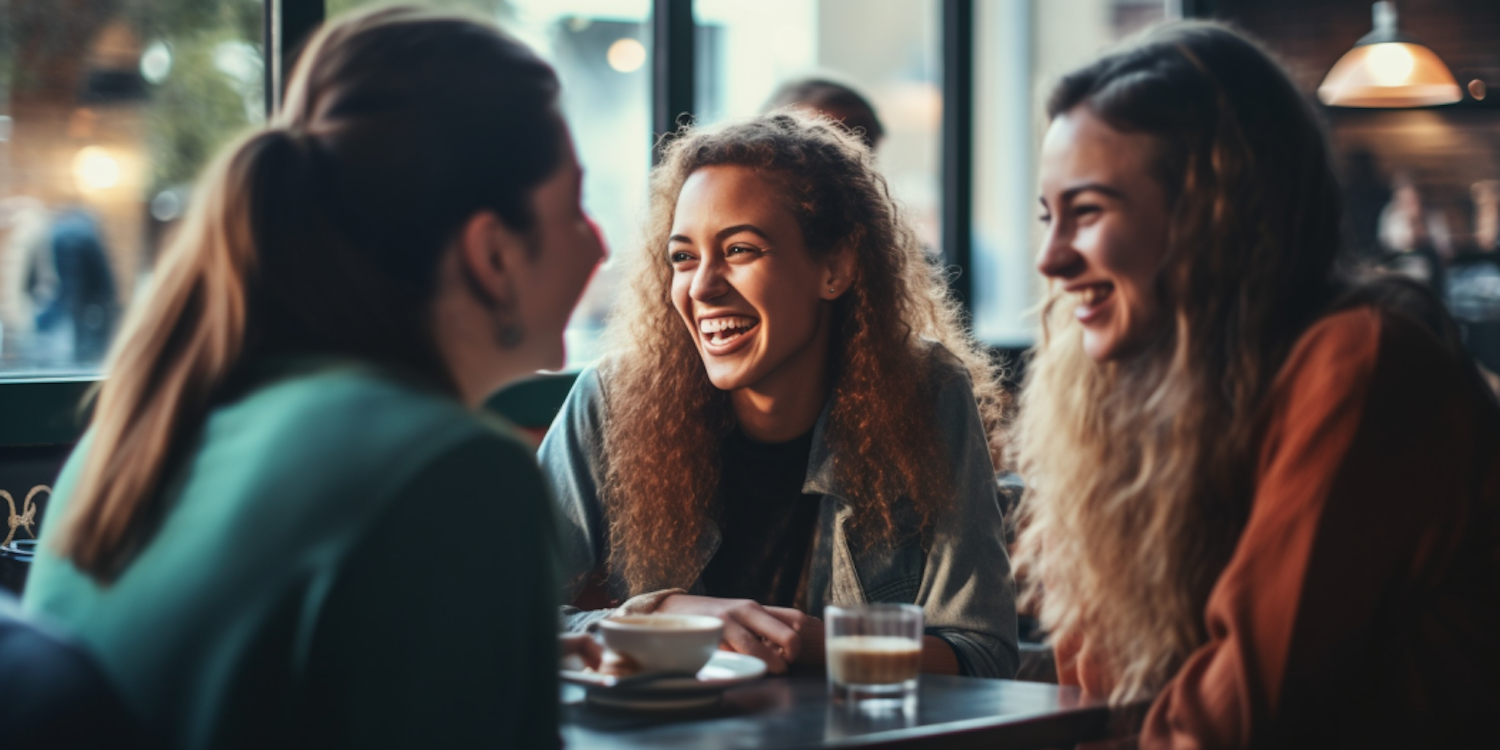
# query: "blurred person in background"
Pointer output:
{"type": "Point", "coordinates": [791, 416]}
{"type": "Point", "coordinates": [285, 525]}
{"type": "Point", "coordinates": [1261, 498]}
{"type": "Point", "coordinates": [834, 99]}
{"type": "Point", "coordinates": [1486, 196]}
{"type": "Point", "coordinates": [1416, 240]}
{"type": "Point", "coordinates": [1473, 282]}
{"type": "Point", "coordinates": [24, 270]}
{"type": "Point", "coordinates": [84, 298]}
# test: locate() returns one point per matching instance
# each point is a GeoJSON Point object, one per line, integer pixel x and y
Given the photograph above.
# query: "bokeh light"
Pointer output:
{"type": "Point", "coordinates": [95, 168]}
{"type": "Point", "coordinates": [626, 55]}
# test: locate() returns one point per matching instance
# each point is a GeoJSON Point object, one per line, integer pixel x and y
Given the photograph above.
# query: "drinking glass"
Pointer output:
{"type": "Point", "coordinates": [874, 655]}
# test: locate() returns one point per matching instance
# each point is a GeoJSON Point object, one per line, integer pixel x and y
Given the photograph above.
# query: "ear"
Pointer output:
{"type": "Point", "coordinates": [489, 254]}
{"type": "Point", "coordinates": [838, 273]}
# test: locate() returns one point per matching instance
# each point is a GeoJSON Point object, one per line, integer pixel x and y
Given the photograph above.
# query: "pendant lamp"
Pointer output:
{"type": "Point", "coordinates": [1388, 69]}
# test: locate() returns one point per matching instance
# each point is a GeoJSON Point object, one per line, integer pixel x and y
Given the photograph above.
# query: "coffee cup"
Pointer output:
{"type": "Point", "coordinates": [663, 643]}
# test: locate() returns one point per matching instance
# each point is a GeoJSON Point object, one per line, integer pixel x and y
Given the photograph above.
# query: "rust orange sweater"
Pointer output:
{"type": "Point", "coordinates": [1361, 607]}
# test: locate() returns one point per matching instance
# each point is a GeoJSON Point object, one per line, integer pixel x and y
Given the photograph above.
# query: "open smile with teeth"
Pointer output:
{"type": "Point", "coordinates": [723, 330]}
{"type": "Point", "coordinates": [1093, 294]}
{"type": "Point", "coordinates": [1089, 300]}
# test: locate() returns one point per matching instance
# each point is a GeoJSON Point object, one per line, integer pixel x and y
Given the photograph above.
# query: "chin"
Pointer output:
{"type": "Point", "coordinates": [1099, 348]}
{"type": "Point", "coordinates": [726, 378]}
{"type": "Point", "coordinates": [555, 359]}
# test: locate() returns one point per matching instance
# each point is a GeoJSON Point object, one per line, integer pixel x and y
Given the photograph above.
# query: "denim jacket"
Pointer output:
{"type": "Point", "coordinates": [960, 577]}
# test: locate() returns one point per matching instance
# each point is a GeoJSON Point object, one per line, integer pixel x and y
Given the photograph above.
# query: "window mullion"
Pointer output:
{"type": "Point", "coordinates": [958, 145]}
{"type": "Point", "coordinates": [287, 24]}
{"type": "Point", "coordinates": [672, 41]}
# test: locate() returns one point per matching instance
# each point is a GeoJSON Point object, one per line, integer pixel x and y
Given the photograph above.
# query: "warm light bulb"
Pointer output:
{"type": "Point", "coordinates": [95, 169]}
{"type": "Point", "coordinates": [1391, 64]}
{"type": "Point", "coordinates": [626, 55]}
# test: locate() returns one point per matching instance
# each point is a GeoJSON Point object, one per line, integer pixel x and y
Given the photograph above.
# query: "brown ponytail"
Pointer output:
{"type": "Point", "coordinates": [321, 234]}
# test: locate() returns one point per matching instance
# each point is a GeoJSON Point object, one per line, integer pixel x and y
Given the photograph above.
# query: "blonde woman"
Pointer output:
{"type": "Point", "coordinates": [285, 527]}
{"type": "Point", "coordinates": [792, 415]}
{"type": "Point", "coordinates": [1261, 497]}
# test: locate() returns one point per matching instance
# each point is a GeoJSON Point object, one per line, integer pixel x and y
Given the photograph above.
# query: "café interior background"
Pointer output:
{"type": "Point", "coordinates": [109, 109]}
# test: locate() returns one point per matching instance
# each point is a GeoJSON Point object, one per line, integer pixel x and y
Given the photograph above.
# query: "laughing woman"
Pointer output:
{"type": "Point", "coordinates": [793, 416]}
{"type": "Point", "coordinates": [1286, 532]}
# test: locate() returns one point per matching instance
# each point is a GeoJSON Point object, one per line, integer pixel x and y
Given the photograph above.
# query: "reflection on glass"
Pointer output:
{"type": "Point", "coordinates": [1021, 47]}
{"type": "Point", "coordinates": [601, 51]}
{"type": "Point", "coordinates": [107, 113]}
{"type": "Point", "coordinates": [885, 49]}
{"type": "Point", "coordinates": [843, 721]}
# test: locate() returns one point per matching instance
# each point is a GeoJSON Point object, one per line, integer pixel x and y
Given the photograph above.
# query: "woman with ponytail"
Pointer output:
{"type": "Point", "coordinates": [285, 526]}
{"type": "Point", "coordinates": [1261, 496]}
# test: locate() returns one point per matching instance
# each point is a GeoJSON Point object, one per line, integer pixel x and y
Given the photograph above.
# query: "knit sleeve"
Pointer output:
{"type": "Point", "coordinates": [1355, 479]}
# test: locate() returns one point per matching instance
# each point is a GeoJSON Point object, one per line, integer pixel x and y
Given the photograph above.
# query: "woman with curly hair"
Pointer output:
{"type": "Point", "coordinates": [1262, 495]}
{"type": "Point", "coordinates": [792, 416]}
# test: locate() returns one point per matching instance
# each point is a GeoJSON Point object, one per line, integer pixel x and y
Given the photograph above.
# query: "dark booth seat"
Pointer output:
{"type": "Point", "coordinates": [53, 695]}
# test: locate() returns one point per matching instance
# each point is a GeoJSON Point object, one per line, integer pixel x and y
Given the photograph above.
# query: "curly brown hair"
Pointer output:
{"type": "Point", "coordinates": [664, 420]}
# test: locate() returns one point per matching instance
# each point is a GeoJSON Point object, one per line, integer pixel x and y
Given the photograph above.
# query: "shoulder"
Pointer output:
{"type": "Point", "coordinates": [1348, 349]}
{"type": "Point", "coordinates": [582, 412]}
{"type": "Point", "coordinates": [1368, 371]}
{"type": "Point", "coordinates": [1333, 350]}
{"type": "Point", "coordinates": [589, 387]}
{"type": "Point", "coordinates": [587, 396]}
{"type": "Point", "coordinates": [944, 368]}
{"type": "Point", "coordinates": [948, 382]}
{"type": "Point", "coordinates": [352, 424]}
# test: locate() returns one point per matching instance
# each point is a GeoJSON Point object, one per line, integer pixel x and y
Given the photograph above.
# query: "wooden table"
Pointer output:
{"type": "Point", "coordinates": [794, 712]}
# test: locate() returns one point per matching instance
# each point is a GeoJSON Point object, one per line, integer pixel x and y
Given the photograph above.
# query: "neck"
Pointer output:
{"type": "Point", "coordinates": [786, 403]}
{"type": "Point", "coordinates": [466, 343]}
{"type": "Point", "coordinates": [476, 380]}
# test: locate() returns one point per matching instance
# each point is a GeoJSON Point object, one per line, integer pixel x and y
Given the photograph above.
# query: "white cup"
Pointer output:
{"type": "Point", "coordinates": [664, 643]}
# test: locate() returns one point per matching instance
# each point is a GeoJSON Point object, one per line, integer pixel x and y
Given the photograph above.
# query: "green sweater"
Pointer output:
{"type": "Point", "coordinates": [346, 561]}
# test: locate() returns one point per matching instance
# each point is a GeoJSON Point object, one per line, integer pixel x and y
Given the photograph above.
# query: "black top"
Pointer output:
{"type": "Point", "coordinates": [767, 524]}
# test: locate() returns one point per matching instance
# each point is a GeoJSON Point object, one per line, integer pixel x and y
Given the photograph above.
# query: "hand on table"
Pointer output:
{"type": "Point", "coordinates": [579, 652]}
{"type": "Point", "coordinates": [771, 634]}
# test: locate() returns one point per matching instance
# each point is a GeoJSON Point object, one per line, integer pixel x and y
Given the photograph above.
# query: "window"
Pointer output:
{"type": "Point", "coordinates": [107, 113]}
{"type": "Point", "coordinates": [885, 49]}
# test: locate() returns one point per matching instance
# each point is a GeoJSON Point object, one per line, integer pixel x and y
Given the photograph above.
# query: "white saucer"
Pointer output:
{"type": "Point", "coordinates": [725, 670]}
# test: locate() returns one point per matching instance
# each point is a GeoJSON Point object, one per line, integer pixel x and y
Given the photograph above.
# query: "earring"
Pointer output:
{"type": "Point", "coordinates": [510, 334]}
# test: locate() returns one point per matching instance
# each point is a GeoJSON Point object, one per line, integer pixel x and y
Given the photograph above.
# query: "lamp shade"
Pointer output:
{"type": "Point", "coordinates": [1388, 69]}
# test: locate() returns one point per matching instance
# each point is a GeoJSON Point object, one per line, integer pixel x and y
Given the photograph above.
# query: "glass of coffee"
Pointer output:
{"type": "Point", "coordinates": [874, 654]}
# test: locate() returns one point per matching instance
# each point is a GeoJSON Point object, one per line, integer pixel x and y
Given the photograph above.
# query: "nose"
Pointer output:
{"type": "Point", "coordinates": [600, 245]}
{"type": "Point", "coordinates": [708, 281]}
{"type": "Point", "coordinates": [1058, 258]}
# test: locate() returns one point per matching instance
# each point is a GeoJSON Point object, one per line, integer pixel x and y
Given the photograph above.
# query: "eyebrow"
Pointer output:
{"type": "Point", "coordinates": [1096, 187]}
{"type": "Point", "coordinates": [726, 232]}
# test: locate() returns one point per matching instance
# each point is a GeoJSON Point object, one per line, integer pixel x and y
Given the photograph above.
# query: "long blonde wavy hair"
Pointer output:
{"type": "Point", "coordinates": [664, 419]}
{"type": "Point", "coordinates": [1140, 471]}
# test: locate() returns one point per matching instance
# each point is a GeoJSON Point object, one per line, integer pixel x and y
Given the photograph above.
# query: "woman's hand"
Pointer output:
{"type": "Point", "coordinates": [579, 652]}
{"type": "Point", "coordinates": [771, 634]}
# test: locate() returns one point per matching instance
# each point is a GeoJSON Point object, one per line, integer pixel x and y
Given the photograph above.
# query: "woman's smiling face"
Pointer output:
{"type": "Point", "coordinates": [1107, 224]}
{"type": "Point", "coordinates": [751, 294]}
